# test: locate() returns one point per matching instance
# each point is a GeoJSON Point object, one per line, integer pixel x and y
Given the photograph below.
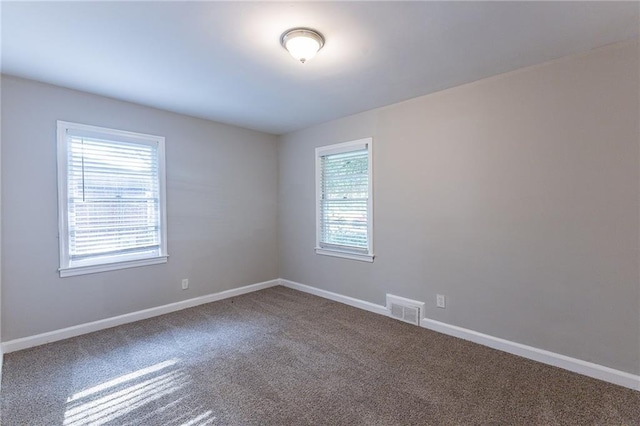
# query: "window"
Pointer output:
{"type": "Point", "coordinates": [344, 221]}
{"type": "Point", "coordinates": [111, 199]}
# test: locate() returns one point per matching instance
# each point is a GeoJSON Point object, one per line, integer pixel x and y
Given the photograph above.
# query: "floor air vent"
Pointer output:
{"type": "Point", "coordinates": [405, 309]}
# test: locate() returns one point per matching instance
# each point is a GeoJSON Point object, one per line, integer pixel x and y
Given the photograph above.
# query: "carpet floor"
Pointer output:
{"type": "Point", "coordinates": [282, 357]}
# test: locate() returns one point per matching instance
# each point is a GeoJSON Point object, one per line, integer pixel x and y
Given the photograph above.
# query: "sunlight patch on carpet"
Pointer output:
{"type": "Point", "coordinates": [201, 420]}
{"type": "Point", "coordinates": [121, 396]}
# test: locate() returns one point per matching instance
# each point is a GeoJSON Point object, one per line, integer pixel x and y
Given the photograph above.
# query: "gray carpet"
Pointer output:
{"type": "Point", "coordinates": [282, 357]}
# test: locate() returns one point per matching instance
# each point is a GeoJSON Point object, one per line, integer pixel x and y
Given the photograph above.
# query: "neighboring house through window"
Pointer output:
{"type": "Point", "coordinates": [111, 197]}
{"type": "Point", "coordinates": [344, 196]}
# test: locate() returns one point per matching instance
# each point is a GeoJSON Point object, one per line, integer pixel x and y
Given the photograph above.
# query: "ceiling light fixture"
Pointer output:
{"type": "Point", "coordinates": [302, 43]}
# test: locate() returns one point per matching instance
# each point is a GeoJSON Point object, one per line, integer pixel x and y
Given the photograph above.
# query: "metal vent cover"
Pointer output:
{"type": "Point", "coordinates": [405, 309]}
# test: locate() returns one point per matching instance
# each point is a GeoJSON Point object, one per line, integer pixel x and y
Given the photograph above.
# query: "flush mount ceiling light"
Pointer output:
{"type": "Point", "coordinates": [302, 43]}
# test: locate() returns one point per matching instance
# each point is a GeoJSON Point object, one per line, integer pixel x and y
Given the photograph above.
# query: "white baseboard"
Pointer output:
{"type": "Point", "coordinates": [546, 357]}
{"type": "Point", "coordinates": [65, 333]}
{"type": "Point", "coordinates": [575, 365]}
{"type": "Point", "coordinates": [356, 303]}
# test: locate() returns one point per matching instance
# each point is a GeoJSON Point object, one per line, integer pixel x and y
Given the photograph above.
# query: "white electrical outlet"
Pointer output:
{"type": "Point", "coordinates": [440, 300]}
{"type": "Point", "coordinates": [185, 283]}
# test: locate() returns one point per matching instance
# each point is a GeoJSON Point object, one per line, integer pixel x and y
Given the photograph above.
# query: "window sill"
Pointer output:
{"type": "Point", "coordinates": [345, 255]}
{"type": "Point", "coordinates": [92, 269]}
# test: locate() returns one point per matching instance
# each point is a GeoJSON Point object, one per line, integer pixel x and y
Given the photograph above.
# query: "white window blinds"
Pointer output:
{"type": "Point", "coordinates": [113, 199]}
{"type": "Point", "coordinates": [344, 204]}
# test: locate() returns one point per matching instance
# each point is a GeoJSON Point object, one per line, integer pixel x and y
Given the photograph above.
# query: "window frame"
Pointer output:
{"type": "Point", "coordinates": [116, 262]}
{"type": "Point", "coordinates": [345, 147]}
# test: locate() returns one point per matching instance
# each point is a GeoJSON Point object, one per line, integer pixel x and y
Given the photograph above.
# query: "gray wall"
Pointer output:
{"type": "Point", "coordinates": [516, 196]}
{"type": "Point", "coordinates": [1, 354]}
{"type": "Point", "coordinates": [221, 206]}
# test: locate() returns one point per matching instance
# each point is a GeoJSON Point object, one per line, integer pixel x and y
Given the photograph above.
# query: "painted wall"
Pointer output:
{"type": "Point", "coordinates": [517, 197]}
{"type": "Point", "coordinates": [221, 206]}
{"type": "Point", "coordinates": [1, 353]}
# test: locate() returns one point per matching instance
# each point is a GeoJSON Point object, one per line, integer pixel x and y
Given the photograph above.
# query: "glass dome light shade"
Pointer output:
{"type": "Point", "coordinates": [302, 43]}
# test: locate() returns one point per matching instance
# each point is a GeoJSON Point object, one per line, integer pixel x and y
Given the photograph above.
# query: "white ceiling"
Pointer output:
{"type": "Point", "coordinates": [223, 61]}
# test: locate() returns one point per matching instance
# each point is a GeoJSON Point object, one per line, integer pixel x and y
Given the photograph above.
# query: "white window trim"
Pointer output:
{"type": "Point", "coordinates": [105, 263]}
{"type": "Point", "coordinates": [365, 143]}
